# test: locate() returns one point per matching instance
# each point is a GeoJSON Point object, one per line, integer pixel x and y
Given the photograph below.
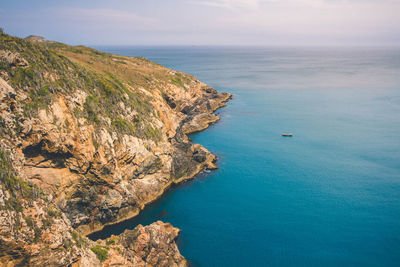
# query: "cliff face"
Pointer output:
{"type": "Point", "coordinates": [99, 136]}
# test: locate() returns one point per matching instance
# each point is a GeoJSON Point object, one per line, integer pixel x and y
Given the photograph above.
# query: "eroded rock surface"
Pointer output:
{"type": "Point", "coordinates": [99, 136]}
{"type": "Point", "coordinates": [152, 245]}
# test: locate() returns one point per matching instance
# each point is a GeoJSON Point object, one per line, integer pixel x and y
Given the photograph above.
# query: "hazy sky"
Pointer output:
{"type": "Point", "coordinates": [212, 22]}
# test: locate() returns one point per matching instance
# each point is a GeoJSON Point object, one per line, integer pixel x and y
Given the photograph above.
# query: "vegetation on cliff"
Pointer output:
{"type": "Point", "coordinates": [28, 220]}
{"type": "Point", "coordinates": [49, 69]}
{"type": "Point", "coordinates": [88, 139]}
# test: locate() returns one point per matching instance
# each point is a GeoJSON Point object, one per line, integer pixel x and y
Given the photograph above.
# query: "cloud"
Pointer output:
{"type": "Point", "coordinates": [230, 3]}
{"type": "Point", "coordinates": [102, 16]}
{"type": "Point", "coordinates": [214, 22]}
{"type": "Point", "coordinates": [256, 4]}
{"type": "Point", "coordinates": [80, 25]}
{"type": "Point", "coordinates": [80, 18]}
{"type": "Point", "coordinates": [259, 4]}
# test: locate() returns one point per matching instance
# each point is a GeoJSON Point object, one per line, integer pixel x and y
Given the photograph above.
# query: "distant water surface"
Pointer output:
{"type": "Point", "coordinates": [329, 196]}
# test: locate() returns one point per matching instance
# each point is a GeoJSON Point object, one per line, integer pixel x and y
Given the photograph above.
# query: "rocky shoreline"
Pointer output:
{"type": "Point", "coordinates": [198, 122]}
{"type": "Point", "coordinates": [88, 139]}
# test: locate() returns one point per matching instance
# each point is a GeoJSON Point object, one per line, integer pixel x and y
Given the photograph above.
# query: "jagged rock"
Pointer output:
{"type": "Point", "coordinates": [101, 145]}
{"type": "Point", "coordinates": [152, 245]}
{"type": "Point", "coordinates": [13, 58]}
{"type": "Point", "coordinates": [36, 39]}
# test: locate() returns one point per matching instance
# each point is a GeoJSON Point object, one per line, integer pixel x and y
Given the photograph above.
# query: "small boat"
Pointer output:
{"type": "Point", "coordinates": [287, 134]}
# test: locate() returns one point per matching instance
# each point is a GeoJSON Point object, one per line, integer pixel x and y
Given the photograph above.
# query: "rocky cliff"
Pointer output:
{"type": "Point", "coordinates": [88, 139]}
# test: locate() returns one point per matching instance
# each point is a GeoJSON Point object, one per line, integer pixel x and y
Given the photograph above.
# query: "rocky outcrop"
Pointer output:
{"type": "Point", "coordinates": [98, 176]}
{"type": "Point", "coordinates": [152, 245]}
{"type": "Point", "coordinates": [34, 232]}
{"type": "Point", "coordinates": [35, 38]}
{"type": "Point", "coordinates": [13, 59]}
{"type": "Point", "coordinates": [100, 136]}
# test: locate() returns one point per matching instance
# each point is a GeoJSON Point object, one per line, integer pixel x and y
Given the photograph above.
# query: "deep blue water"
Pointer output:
{"type": "Point", "coordinates": [329, 196]}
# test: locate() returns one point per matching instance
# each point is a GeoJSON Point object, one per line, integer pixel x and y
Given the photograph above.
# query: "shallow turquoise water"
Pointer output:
{"type": "Point", "coordinates": [329, 196]}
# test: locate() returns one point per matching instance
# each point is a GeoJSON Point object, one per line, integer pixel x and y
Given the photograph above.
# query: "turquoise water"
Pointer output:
{"type": "Point", "coordinates": [329, 196]}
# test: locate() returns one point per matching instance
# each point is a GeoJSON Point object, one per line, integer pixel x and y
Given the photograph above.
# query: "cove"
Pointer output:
{"type": "Point", "coordinates": [330, 195]}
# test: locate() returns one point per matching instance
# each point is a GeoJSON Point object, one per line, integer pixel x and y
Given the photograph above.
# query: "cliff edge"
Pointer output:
{"type": "Point", "coordinates": [88, 139]}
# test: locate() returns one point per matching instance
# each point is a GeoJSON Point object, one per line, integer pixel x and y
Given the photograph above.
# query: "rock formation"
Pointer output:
{"type": "Point", "coordinates": [88, 139]}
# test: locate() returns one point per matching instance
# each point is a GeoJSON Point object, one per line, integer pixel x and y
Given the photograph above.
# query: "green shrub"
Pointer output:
{"type": "Point", "coordinates": [7, 172]}
{"type": "Point", "coordinates": [91, 106]}
{"type": "Point", "coordinates": [79, 240]}
{"type": "Point", "coordinates": [43, 91]}
{"type": "Point", "coordinates": [38, 233]}
{"type": "Point", "coordinates": [177, 82]}
{"type": "Point", "coordinates": [123, 125]}
{"type": "Point", "coordinates": [53, 213]}
{"type": "Point", "coordinates": [101, 252]}
{"type": "Point", "coordinates": [110, 242]}
{"type": "Point", "coordinates": [16, 186]}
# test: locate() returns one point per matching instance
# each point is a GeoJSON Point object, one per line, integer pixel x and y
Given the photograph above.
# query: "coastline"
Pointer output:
{"type": "Point", "coordinates": [91, 138]}
{"type": "Point", "coordinates": [134, 211]}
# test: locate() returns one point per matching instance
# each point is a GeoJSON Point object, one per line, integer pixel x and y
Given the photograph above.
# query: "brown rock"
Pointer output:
{"type": "Point", "coordinates": [152, 245]}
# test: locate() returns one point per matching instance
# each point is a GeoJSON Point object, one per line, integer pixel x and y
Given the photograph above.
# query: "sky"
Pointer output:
{"type": "Point", "coordinates": [205, 22]}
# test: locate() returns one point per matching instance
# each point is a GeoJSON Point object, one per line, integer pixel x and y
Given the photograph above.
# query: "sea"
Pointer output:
{"type": "Point", "coordinates": [327, 196]}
